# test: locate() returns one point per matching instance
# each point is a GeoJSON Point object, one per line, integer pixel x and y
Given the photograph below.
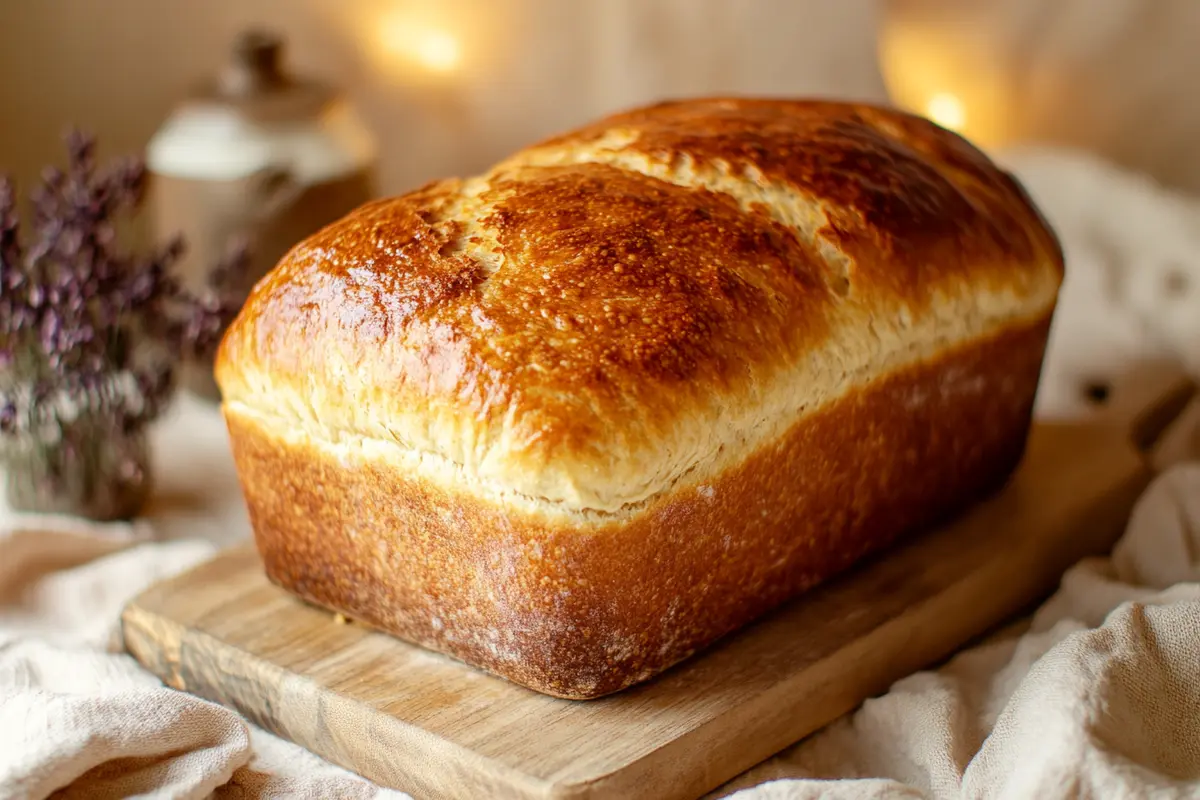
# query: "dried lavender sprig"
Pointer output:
{"type": "Point", "coordinates": [76, 310]}
{"type": "Point", "coordinates": [11, 274]}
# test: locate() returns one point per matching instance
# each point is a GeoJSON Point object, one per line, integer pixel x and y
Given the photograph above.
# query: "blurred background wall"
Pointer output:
{"type": "Point", "coordinates": [508, 70]}
{"type": "Point", "coordinates": [449, 85]}
{"type": "Point", "coordinates": [1113, 77]}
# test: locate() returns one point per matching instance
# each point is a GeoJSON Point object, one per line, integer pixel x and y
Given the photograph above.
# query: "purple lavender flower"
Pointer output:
{"type": "Point", "coordinates": [77, 312]}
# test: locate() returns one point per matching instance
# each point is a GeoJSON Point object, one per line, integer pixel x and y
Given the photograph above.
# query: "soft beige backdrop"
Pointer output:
{"type": "Point", "coordinates": [528, 67]}
{"type": "Point", "coordinates": [1115, 76]}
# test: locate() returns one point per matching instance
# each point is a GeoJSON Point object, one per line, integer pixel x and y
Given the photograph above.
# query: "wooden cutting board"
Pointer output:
{"type": "Point", "coordinates": [422, 723]}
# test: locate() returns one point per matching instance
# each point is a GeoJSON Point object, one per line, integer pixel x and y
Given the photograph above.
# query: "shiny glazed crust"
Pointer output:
{"type": "Point", "coordinates": [576, 418]}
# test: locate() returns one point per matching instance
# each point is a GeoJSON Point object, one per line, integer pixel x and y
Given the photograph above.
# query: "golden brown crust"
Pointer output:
{"type": "Point", "coordinates": [560, 328]}
{"type": "Point", "coordinates": [583, 610]}
{"type": "Point", "coordinates": [899, 191]}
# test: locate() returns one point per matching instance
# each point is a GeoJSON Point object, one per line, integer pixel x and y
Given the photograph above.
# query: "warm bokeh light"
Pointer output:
{"type": "Point", "coordinates": [946, 110]}
{"type": "Point", "coordinates": [437, 50]}
{"type": "Point", "coordinates": [947, 78]}
{"type": "Point", "coordinates": [407, 39]}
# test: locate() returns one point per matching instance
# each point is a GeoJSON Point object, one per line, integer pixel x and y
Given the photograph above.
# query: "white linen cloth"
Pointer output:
{"type": "Point", "coordinates": [1098, 695]}
{"type": "Point", "coordinates": [80, 717]}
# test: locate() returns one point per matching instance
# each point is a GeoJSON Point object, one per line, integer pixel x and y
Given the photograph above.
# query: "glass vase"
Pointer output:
{"type": "Point", "coordinates": [87, 470]}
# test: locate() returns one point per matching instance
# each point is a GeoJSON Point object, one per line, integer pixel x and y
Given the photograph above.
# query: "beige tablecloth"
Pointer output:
{"type": "Point", "coordinates": [1098, 695]}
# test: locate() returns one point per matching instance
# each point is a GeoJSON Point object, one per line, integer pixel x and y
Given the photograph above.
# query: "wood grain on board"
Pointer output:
{"type": "Point", "coordinates": [420, 722]}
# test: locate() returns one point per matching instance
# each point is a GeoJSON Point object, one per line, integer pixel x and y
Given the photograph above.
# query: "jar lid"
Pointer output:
{"type": "Point", "coordinates": [254, 83]}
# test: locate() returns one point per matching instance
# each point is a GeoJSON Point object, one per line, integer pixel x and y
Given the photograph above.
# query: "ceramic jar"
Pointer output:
{"type": "Point", "coordinates": [259, 156]}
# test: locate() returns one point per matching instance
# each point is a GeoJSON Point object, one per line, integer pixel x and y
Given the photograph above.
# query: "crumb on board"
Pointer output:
{"type": "Point", "coordinates": [339, 619]}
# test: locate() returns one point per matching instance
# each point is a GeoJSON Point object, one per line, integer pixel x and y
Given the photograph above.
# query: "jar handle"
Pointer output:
{"type": "Point", "coordinates": [274, 188]}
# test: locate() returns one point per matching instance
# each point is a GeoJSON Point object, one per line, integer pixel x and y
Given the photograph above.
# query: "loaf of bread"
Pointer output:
{"type": "Point", "coordinates": [573, 420]}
